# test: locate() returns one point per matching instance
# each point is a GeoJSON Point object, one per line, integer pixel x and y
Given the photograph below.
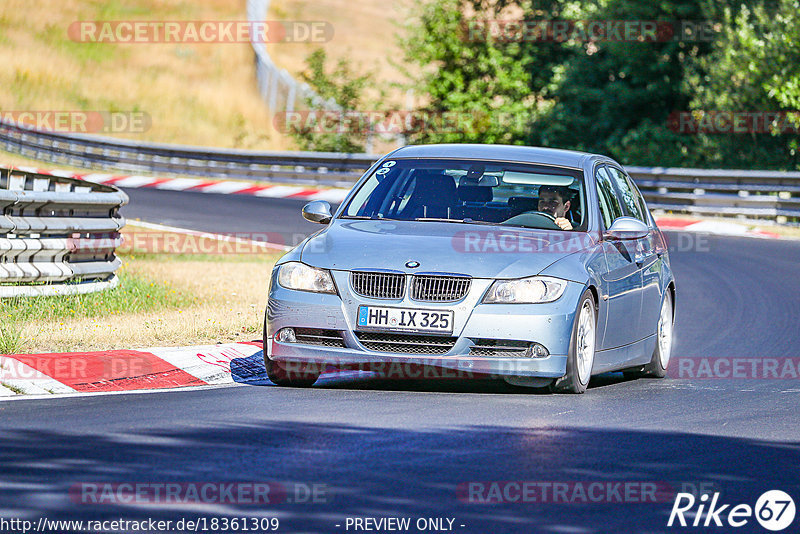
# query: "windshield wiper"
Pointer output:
{"type": "Point", "coordinates": [462, 221]}
{"type": "Point", "coordinates": [418, 219]}
{"type": "Point", "coordinates": [533, 227]}
{"type": "Point", "coordinates": [367, 218]}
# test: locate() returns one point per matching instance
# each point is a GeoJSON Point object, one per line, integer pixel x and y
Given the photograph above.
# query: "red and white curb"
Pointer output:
{"type": "Point", "coordinates": [225, 187]}
{"type": "Point", "coordinates": [131, 370]}
{"type": "Point", "coordinates": [714, 227]}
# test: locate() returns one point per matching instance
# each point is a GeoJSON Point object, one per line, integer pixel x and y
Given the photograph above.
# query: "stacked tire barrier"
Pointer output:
{"type": "Point", "coordinates": [58, 236]}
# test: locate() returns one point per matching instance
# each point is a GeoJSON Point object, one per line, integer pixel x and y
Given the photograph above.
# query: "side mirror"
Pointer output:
{"type": "Point", "coordinates": [627, 228]}
{"type": "Point", "coordinates": [317, 211]}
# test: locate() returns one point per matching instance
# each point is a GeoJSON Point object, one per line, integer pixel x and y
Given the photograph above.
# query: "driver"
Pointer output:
{"type": "Point", "coordinates": [555, 200]}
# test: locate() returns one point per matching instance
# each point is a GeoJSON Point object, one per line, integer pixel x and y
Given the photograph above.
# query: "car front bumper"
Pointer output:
{"type": "Point", "coordinates": [547, 324]}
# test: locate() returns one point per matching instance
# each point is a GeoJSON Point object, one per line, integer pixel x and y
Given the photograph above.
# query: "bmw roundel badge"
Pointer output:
{"type": "Point", "coordinates": [412, 264]}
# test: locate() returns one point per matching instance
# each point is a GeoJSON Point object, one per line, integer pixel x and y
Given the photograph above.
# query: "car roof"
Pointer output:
{"type": "Point", "coordinates": [516, 153]}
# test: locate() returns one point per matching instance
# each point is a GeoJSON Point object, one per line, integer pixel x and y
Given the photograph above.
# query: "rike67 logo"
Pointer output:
{"type": "Point", "coordinates": [774, 510]}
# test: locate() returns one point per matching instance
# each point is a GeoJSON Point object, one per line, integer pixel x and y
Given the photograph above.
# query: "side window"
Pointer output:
{"type": "Point", "coordinates": [609, 205]}
{"type": "Point", "coordinates": [631, 200]}
{"type": "Point", "coordinates": [637, 195]}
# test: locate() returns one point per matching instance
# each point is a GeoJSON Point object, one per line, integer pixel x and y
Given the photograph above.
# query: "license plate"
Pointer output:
{"type": "Point", "coordinates": [405, 319]}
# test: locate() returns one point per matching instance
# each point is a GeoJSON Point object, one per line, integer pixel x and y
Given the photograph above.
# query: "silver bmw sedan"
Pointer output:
{"type": "Point", "coordinates": [540, 266]}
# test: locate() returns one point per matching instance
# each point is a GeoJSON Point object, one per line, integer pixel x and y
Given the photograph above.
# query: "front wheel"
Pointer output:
{"type": "Point", "coordinates": [657, 368]}
{"type": "Point", "coordinates": [581, 349]}
{"type": "Point", "coordinates": [291, 374]}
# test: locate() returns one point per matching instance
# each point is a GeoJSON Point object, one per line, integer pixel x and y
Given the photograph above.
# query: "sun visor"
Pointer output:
{"type": "Point", "coordinates": [527, 178]}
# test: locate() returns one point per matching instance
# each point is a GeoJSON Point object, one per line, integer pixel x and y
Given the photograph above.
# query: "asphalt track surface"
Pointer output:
{"type": "Point", "coordinates": [402, 448]}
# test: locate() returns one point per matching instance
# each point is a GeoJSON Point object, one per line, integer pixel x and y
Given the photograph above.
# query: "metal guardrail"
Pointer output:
{"type": "Point", "coordinates": [761, 195]}
{"type": "Point", "coordinates": [57, 235]}
{"type": "Point", "coordinates": [96, 152]}
{"type": "Point", "coordinates": [754, 195]}
{"type": "Point", "coordinates": [278, 88]}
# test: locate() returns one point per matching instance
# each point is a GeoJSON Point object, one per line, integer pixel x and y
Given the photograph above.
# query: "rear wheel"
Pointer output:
{"type": "Point", "coordinates": [581, 349]}
{"type": "Point", "coordinates": [657, 368]}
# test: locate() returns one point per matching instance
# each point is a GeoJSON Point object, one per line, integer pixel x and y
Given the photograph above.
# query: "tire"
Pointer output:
{"type": "Point", "coordinates": [290, 374]}
{"type": "Point", "coordinates": [657, 368]}
{"type": "Point", "coordinates": [582, 348]}
{"type": "Point", "coordinates": [530, 382]}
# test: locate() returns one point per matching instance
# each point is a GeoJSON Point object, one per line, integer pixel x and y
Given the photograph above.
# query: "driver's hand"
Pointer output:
{"type": "Point", "coordinates": [563, 223]}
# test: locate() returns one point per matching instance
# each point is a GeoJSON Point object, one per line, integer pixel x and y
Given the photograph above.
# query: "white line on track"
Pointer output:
{"type": "Point", "coordinates": [130, 392]}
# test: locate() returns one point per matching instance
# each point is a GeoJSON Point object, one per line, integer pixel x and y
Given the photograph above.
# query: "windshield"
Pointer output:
{"type": "Point", "coordinates": [479, 192]}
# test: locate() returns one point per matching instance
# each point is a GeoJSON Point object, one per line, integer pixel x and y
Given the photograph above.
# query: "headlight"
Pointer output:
{"type": "Point", "coordinates": [533, 290]}
{"type": "Point", "coordinates": [302, 277]}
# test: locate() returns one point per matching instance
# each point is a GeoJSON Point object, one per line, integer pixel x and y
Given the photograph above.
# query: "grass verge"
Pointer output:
{"type": "Point", "coordinates": [162, 300]}
{"type": "Point", "coordinates": [195, 93]}
{"type": "Point", "coordinates": [35, 323]}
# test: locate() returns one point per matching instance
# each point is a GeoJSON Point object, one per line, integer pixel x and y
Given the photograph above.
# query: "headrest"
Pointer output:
{"type": "Point", "coordinates": [433, 183]}
{"type": "Point", "coordinates": [475, 193]}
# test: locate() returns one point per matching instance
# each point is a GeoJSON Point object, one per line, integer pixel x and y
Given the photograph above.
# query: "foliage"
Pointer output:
{"type": "Point", "coordinates": [753, 68]}
{"type": "Point", "coordinates": [617, 97]}
{"type": "Point", "coordinates": [492, 85]}
{"type": "Point", "coordinates": [319, 131]}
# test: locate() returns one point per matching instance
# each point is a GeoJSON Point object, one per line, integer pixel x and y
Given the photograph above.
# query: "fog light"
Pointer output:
{"type": "Point", "coordinates": [285, 335]}
{"type": "Point", "coordinates": [537, 351]}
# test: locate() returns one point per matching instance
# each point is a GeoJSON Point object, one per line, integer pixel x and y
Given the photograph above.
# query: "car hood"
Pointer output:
{"type": "Point", "coordinates": [476, 250]}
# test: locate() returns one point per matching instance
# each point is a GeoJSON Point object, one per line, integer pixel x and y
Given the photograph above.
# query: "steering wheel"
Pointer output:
{"type": "Point", "coordinates": [536, 219]}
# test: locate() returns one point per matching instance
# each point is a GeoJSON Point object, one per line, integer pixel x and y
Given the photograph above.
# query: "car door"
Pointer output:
{"type": "Point", "coordinates": [623, 282]}
{"type": "Point", "coordinates": [651, 264]}
{"type": "Point", "coordinates": [645, 257]}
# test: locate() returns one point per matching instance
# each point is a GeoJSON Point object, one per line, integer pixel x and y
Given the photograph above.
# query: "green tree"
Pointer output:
{"type": "Point", "coordinates": [492, 85]}
{"type": "Point", "coordinates": [333, 130]}
{"type": "Point", "coordinates": [754, 67]}
{"type": "Point", "coordinates": [616, 96]}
